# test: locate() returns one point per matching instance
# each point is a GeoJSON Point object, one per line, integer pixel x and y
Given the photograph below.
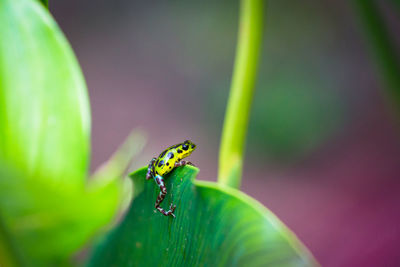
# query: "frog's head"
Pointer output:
{"type": "Point", "coordinates": [187, 148]}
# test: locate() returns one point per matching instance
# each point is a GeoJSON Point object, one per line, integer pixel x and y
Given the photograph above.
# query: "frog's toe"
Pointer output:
{"type": "Point", "coordinates": [172, 207]}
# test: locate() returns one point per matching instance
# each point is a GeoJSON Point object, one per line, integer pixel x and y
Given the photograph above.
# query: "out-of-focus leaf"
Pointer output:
{"type": "Point", "coordinates": [214, 226]}
{"type": "Point", "coordinates": [9, 253]}
{"type": "Point", "coordinates": [61, 220]}
{"type": "Point", "coordinates": [44, 108]}
{"type": "Point", "coordinates": [382, 46]}
{"type": "Point", "coordinates": [120, 160]}
{"type": "Point", "coordinates": [109, 175]}
{"type": "Point", "coordinates": [46, 224]}
{"type": "Point", "coordinates": [45, 2]}
{"type": "Point", "coordinates": [47, 212]}
{"type": "Point", "coordinates": [293, 117]}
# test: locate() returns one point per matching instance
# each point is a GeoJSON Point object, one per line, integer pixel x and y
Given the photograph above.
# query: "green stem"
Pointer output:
{"type": "Point", "coordinates": [241, 93]}
{"type": "Point", "coordinates": [381, 47]}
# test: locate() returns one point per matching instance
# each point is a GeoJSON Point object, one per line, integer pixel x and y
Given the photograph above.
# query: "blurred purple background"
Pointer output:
{"type": "Point", "coordinates": [323, 151]}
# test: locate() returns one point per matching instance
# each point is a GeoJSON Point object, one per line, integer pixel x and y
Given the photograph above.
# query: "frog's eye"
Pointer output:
{"type": "Point", "coordinates": [185, 146]}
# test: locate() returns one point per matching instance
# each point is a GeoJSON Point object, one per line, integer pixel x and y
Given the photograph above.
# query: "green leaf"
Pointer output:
{"type": "Point", "coordinates": [47, 211]}
{"type": "Point", "coordinates": [62, 220]}
{"type": "Point", "coordinates": [214, 226]}
{"type": "Point", "coordinates": [47, 224]}
{"type": "Point", "coordinates": [44, 108]}
{"type": "Point", "coordinates": [9, 253]}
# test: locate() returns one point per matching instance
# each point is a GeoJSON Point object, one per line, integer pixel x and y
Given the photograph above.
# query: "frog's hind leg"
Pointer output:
{"type": "Point", "coordinates": [183, 163]}
{"type": "Point", "coordinates": [163, 191]}
{"type": "Point", "coordinates": [148, 174]}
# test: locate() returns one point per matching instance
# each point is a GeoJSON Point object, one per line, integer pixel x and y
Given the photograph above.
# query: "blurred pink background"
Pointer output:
{"type": "Point", "coordinates": [323, 151]}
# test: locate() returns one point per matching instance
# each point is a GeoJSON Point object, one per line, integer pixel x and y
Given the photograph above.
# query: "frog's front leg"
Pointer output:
{"type": "Point", "coordinates": [182, 163]}
{"type": "Point", "coordinates": [163, 191]}
{"type": "Point", "coordinates": [148, 174]}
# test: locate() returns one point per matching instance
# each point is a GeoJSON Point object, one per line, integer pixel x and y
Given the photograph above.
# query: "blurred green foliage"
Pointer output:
{"type": "Point", "coordinates": [292, 116]}
{"type": "Point", "coordinates": [48, 210]}
{"type": "Point", "coordinates": [382, 48]}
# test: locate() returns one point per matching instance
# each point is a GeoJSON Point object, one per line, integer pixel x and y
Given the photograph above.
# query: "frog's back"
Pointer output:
{"type": "Point", "coordinates": [165, 161]}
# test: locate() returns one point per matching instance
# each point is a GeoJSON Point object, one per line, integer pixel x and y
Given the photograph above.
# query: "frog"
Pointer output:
{"type": "Point", "coordinates": [159, 167]}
